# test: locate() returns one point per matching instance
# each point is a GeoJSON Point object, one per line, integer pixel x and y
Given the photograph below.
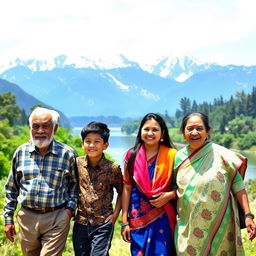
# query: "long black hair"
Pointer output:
{"type": "Point", "coordinates": [166, 141]}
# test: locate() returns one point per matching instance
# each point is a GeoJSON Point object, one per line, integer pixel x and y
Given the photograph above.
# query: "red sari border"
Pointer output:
{"type": "Point", "coordinates": [143, 221]}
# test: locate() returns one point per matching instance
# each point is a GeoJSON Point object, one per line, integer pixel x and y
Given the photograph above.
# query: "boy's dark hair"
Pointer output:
{"type": "Point", "coordinates": [96, 127]}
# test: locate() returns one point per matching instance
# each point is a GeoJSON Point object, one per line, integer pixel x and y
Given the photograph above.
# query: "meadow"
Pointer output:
{"type": "Point", "coordinates": [119, 247]}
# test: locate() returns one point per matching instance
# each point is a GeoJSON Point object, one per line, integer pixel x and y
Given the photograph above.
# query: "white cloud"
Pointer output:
{"type": "Point", "coordinates": [142, 30]}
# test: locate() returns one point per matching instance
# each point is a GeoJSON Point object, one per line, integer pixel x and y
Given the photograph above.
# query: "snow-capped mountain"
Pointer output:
{"type": "Point", "coordinates": [63, 61]}
{"type": "Point", "coordinates": [126, 89]}
{"type": "Point", "coordinates": [177, 68]}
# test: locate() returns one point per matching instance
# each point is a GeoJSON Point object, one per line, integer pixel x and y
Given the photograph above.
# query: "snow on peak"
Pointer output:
{"type": "Point", "coordinates": [118, 83]}
{"type": "Point", "coordinates": [6, 67]}
{"type": "Point", "coordinates": [183, 77]}
{"type": "Point", "coordinates": [149, 95]}
{"type": "Point", "coordinates": [75, 61]}
{"type": "Point", "coordinates": [178, 68]}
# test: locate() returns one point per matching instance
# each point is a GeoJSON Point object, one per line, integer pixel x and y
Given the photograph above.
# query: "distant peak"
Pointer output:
{"type": "Point", "coordinates": [62, 61]}
{"type": "Point", "coordinates": [178, 68]}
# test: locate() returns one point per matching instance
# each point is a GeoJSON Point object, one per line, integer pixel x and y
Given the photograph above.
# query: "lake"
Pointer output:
{"type": "Point", "coordinates": [119, 143]}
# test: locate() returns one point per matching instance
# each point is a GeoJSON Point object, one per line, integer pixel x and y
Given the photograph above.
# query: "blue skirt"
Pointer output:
{"type": "Point", "coordinates": [156, 239]}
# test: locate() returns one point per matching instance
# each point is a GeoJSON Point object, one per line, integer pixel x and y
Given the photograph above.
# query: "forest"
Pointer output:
{"type": "Point", "coordinates": [233, 122]}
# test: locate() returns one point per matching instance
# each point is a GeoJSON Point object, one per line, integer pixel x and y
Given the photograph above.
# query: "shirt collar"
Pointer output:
{"type": "Point", "coordinates": [100, 163]}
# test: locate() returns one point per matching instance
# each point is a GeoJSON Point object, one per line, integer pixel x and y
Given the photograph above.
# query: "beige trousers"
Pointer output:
{"type": "Point", "coordinates": [43, 234]}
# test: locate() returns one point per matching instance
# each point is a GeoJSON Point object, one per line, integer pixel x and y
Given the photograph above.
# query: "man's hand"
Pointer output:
{"type": "Point", "coordinates": [10, 232]}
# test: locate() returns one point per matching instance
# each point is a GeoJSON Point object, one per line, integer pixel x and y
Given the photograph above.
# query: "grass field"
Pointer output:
{"type": "Point", "coordinates": [119, 247]}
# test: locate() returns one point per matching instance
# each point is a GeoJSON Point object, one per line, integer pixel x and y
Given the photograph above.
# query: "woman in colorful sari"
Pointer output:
{"type": "Point", "coordinates": [210, 186]}
{"type": "Point", "coordinates": [148, 217]}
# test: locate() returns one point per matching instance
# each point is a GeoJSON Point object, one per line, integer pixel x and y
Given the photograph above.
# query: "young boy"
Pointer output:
{"type": "Point", "coordinates": [95, 219]}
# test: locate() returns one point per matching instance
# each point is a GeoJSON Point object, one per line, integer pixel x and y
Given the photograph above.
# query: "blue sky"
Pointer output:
{"type": "Point", "coordinates": [222, 31]}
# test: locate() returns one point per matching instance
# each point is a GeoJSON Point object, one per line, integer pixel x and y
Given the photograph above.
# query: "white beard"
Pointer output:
{"type": "Point", "coordinates": [42, 143]}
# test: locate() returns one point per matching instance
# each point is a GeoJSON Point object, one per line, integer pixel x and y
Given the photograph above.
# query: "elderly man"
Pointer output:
{"type": "Point", "coordinates": [43, 178]}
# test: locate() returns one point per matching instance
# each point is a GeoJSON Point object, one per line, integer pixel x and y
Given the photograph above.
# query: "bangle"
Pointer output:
{"type": "Point", "coordinates": [249, 215]}
{"type": "Point", "coordinates": [124, 224]}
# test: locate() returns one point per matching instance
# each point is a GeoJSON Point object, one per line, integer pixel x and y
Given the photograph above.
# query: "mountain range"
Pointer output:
{"type": "Point", "coordinates": [84, 87]}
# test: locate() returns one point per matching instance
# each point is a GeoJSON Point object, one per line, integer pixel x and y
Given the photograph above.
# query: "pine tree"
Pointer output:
{"type": "Point", "coordinates": [185, 105]}
{"type": "Point", "coordinates": [194, 107]}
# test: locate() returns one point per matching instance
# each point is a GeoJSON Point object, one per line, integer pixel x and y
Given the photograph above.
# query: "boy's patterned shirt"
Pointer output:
{"type": "Point", "coordinates": [96, 190]}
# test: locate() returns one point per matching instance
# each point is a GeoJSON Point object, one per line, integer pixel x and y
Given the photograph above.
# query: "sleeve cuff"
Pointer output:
{"type": "Point", "coordinates": [238, 186]}
{"type": "Point", "coordinates": [8, 220]}
{"type": "Point", "coordinates": [71, 205]}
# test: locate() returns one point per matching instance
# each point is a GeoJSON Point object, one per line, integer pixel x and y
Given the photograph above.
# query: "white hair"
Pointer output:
{"type": "Point", "coordinates": [40, 111]}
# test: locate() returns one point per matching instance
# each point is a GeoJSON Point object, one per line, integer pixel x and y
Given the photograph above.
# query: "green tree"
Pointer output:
{"type": "Point", "coordinates": [216, 137]}
{"type": "Point", "coordinates": [66, 136]}
{"type": "Point", "coordinates": [252, 109]}
{"type": "Point", "coordinates": [169, 120]}
{"type": "Point", "coordinates": [36, 106]}
{"type": "Point", "coordinates": [223, 124]}
{"type": "Point", "coordinates": [185, 105]}
{"type": "Point", "coordinates": [227, 140]}
{"type": "Point", "coordinates": [194, 107]}
{"type": "Point", "coordinates": [247, 141]}
{"type": "Point", "coordinates": [178, 114]}
{"type": "Point", "coordinates": [251, 189]}
{"type": "Point", "coordinates": [204, 108]}
{"type": "Point", "coordinates": [5, 129]}
{"type": "Point", "coordinates": [9, 109]}
{"type": "Point", "coordinates": [4, 165]}
{"type": "Point", "coordinates": [131, 127]}
{"type": "Point", "coordinates": [231, 109]}
{"type": "Point", "coordinates": [241, 103]}
{"type": "Point", "coordinates": [23, 120]}
{"type": "Point", "coordinates": [241, 125]}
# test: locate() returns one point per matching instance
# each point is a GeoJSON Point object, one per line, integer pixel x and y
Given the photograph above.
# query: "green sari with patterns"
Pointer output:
{"type": "Point", "coordinates": [207, 221]}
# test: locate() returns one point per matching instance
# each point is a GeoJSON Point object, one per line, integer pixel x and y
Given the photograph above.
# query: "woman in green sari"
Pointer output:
{"type": "Point", "coordinates": [210, 185]}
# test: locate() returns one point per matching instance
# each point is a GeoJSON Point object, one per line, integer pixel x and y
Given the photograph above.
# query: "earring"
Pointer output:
{"type": "Point", "coordinates": [161, 139]}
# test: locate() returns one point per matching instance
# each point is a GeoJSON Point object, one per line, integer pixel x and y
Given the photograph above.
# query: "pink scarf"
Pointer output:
{"type": "Point", "coordinates": [162, 177]}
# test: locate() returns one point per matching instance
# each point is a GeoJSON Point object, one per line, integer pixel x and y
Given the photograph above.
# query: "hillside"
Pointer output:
{"type": "Point", "coordinates": [26, 101]}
